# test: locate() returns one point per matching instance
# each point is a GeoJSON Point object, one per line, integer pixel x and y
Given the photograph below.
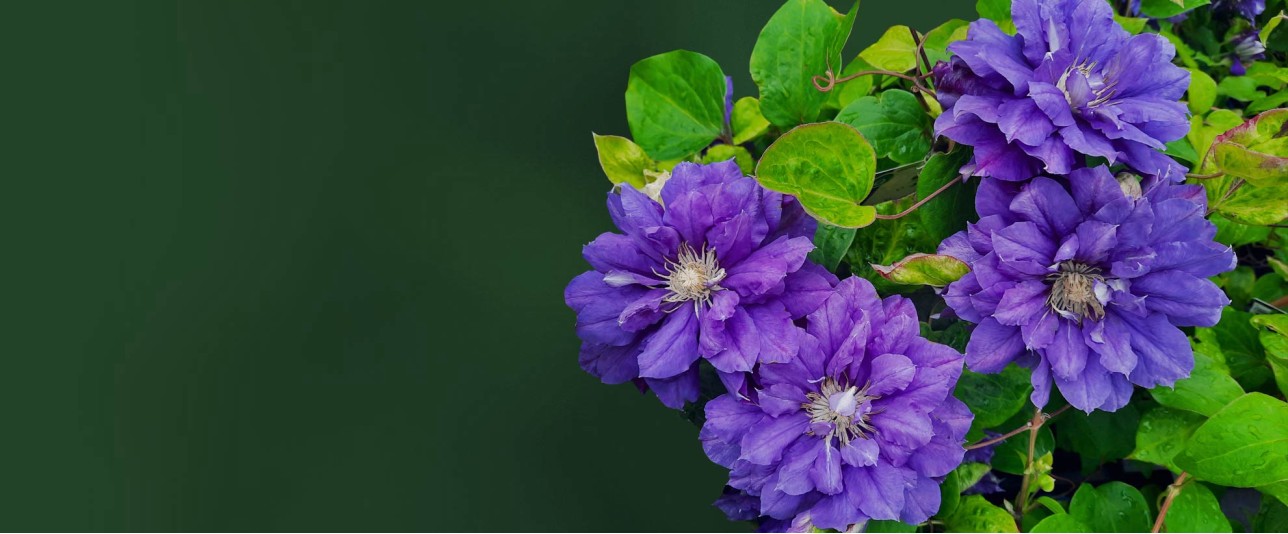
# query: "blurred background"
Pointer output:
{"type": "Point", "coordinates": [298, 265]}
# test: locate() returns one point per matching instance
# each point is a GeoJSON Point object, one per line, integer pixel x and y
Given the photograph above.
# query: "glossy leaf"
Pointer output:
{"type": "Point", "coordinates": [1195, 509]}
{"type": "Point", "coordinates": [675, 103]}
{"type": "Point", "coordinates": [976, 514]}
{"type": "Point", "coordinates": [1245, 444]}
{"type": "Point", "coordinates": [1111, 507]}
{"type": "Point", "coordinates": [894, 122]}
{"type": "Point", "coordinates": [994, 398]}
{"type": "Point", "coordinates": [924, 270]}
{"type": "Point", "coordinates": [830, 245]}
{"type": "Point", "coordinates": [828, 166]}
{"type": "Point", "coordinates": [736, 153]}
{"type": "Point", "coordinates": [798, 43]}
{"type": "Point", "coordinates": [1162, 433]}
{"type": "Point", "coordinates": [1202, 92]}
{"type": "Point", "coordinates": [746, 120]}
{"type": "Point", "coordinates": [894, 51]}
{"type": "Point", "coordinates": [1206, 391]}
{"type": "Point", "coordinates": [1257, 150]}
{"type": "Point", "coordinates": [1060, 523]}
{"type": "Point", "coordinates": [622, 160]}
{"type": "Point", "coordinates": [949, 212]}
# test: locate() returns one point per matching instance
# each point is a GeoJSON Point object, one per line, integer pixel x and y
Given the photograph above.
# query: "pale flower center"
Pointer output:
{"type": "Point", "coordinates": [1073, 291]}
{"type": "Point", "coordinates": [846, 409]}
{"type": "Point", "coordinates": [1102, 88]}
{"type": "Point", "coordinates": [694, 275]}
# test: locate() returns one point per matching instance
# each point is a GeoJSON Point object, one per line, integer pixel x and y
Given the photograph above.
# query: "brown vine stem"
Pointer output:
{"type": "Point", "coordinates": [918, 89]}
{"type": "Point", "coordinates": [1172, 491]}
{"type": "Point", "coordinates": [1021, 500]}
{"type": "Point", "coordinates": [830, 78]}
{"type": "Point", "coordinates": [921, 202]}
{"type": "Point", "coordinates": [1000, 438]}
{"type": "Point", "coordinates": [1013, 433]}
{"type": "Point", "coordinates": [1280, 302]}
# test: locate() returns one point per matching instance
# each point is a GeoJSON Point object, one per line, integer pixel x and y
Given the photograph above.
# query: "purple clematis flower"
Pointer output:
{"type": "Point", "coordinates": [718, 273]}
{"type": "Point", "coordinates": [1071, 83]}
{"type": "Point", "coordinates": [1247, 49]}
{"type": "Point", "coordinates": [1248, 9]}
{"type": "Point", "coordinates": [1086, 281]}
{"type": "Point", "coordinates": [861, 425]}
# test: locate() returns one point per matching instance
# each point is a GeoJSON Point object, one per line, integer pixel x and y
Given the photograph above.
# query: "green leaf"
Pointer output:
{"type": "Point", "coordinates": [1202, 92]}
{"type": "Point", "coordinates": [885, 242]}
{"type": "Point", "coordinates": [830, 245]}
{"type": "Point", "coordinates": [1133, 25]}
{"type": "Point", "coordinates": [1205, 392]}
{"type": "Point", "coordinates": [1235, 234]}
{"type": "Point", "coordinates": [935, 43]}
{"type": "Point", "coordinates": [1245, 444]}
{"type": "Point", "coordinates": [798, 43]}
{"type": "Point", "coordinates": [849, 91]}
{"type": "Point", "coordinates": [747, 122]}
{"type": "Point", "coordinates": [1162, 433]}
{"type": "Point", "coordinates": [675, 103]}
{"type": "Point", "coordinates": [885, 525]}
{"type": "Point", "coordinates": [1278, 490]}
{"type": "Point", "coordinates": [998, 11]}
{"type": "Point", "coordinates": [1257, 150]}
{"type": "Point", "coordinates": [895, 50]}
{"type": "Point", "coordinates": [1268, 102]}
{"type": "Point", "coordinates": [1257, 205]}
{"type": "Point", "coordinates": [1234, 341]}
{"type": "Point", "coordinates": [1182, 149]}
{"type": "Point", "coordinates": [1240, 88]}
{"type": "Point", "coordinates": [1195, 509]}
{"type": "Point", "coordinates": [1273, 517]}
{"type": "Point", "coordinates": [1162, 9]}
{"type": "Point", "coordinates": [949, 212]}
{"type": "Point", "coordinates": [994, 398]}
{"type": "Point", "coordinates": [1203, 130]}
{"type": "Point", "coordinates": [894, 122]}
{"type": "Point", "coordinates": [739, 154]}
{"type": "Point", "coordinates": [924, 270]}
{"type": "Point", "coordinates": [1100, 436]}
{"type": "Point", "coordinates": [622, 160]}
{"type": "Point", "coordinates": [1270, 26]}
{"type": "Point", "coordinates": [1275, 341]}
{"type": "Point", "coordinates": [1112, 507]}
{"type": "Point", "coordinates": [1060, 523]}
{"type": "Point", "coordinates": [828, 166]}
{"type": "Point", "coordinates": [976, 514]}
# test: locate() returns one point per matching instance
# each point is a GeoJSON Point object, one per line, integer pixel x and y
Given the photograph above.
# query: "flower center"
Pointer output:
{"type": "Point", "coordinates": [1089, 79]}
{"type": "Point", "coordinates": [694, 275]}
{"type": "Point", "coordinates": [846, 409]}
{"type": "Point", "coordinates": [1073, 291]}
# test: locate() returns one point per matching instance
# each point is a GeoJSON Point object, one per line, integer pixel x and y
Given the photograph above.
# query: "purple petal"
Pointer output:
{"type": "Point", "coordinates": [763, 444]}
{"type": "Point", "coordinates": [993, 345]}
{"type": "Point", "coordinates": [673, 348]}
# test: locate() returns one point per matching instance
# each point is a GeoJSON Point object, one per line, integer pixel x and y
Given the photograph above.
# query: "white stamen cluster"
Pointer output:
{"type": "Point", "coordinates": [845, 408]}
{"type": "Point", "coordinates": [694, 275]}
{"type": "Point", "coordinates": [1104, 90]}
{"type": "Point", "coordinates": [1073, 291]}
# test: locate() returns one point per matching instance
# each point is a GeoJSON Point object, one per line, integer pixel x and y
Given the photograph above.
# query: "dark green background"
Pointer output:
{"type": "Point", "coordinates": [298, 265]}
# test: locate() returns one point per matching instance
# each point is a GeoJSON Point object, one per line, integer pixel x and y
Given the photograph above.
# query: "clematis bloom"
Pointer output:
{"type": "Point", "coordinates": [860, 425]}
{"type": "Point", "coordinates": [1071, 83]}
{"type": "Point", "coordinates": [1086, 281]}
{"type": "Point", "coordinates": [713, 268]}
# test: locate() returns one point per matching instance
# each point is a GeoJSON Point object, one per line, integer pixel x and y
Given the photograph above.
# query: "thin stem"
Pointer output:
{"type": "Point", "coordinates": [918, 89]}
{"type": "Point", "coordinates": [1172, 491]}
{"type": "Point", "coordinates": [830, 78]}
{"type": "Point", "coordinates": [1021, 500]}
{"type": "Point", "coordinates": [1000, 438]}
{"type": "Point", "coordinates": [1280, 302]}
{"type": "Point", "coordinates": [1194, 176]}
{"type": "Point", "coordinates": [921, 51]}
{"type": "Point", "coordinates": [1012, 433]}
{"type": "Point", "coordinates": [921, 202]}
